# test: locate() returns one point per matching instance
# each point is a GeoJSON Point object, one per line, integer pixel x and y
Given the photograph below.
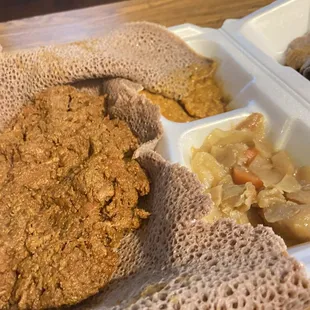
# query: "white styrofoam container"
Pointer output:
{"type": "Point", "coordinates": [265, 35]}
{"type": "Point", "coordinates": [249, 52]}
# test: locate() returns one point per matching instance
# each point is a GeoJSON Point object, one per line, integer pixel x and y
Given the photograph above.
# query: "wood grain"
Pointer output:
{"type": "Point", "coordinates": [95, 21]}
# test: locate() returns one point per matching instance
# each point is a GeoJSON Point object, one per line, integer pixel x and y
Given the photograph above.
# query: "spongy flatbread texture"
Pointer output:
{"type": "Point", "coordinates": [297, 55]}
{"type": "Point", "coordinates": [142, 52]}
{"type": "Point", "coordinates": [125, 103]}
{"type": "Point", "coordinates": [175, 261]}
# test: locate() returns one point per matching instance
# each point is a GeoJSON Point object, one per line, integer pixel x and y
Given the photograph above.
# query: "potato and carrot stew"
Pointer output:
{"type": "Point", "coordinates": [252, 183]}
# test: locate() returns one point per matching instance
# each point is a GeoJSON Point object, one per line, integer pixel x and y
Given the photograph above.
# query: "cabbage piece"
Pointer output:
{"type": "Point", "coordinates": [264, 148]}
{"type": "Point", "coordinates": [288, 184]}
{"type": "Point", "coordinates": [239, 217]}
{"type": "Point", "coordinates": [235, 136]}
{"type": "Point", "coordinates": [230, 154]}
{"type": "Point", "coordinates": [227, 179]}
{"type": "Point", "coordinates": [303, 175]}
{"type": "Point", "coordinates": [281, 211]}
{"type": "Point", "coordinates": [233, 200]}
{"type": "Point", "coordinates": [269, 177]}
{"type": "Point", "coordinates": [282, 162]}
{"type": "Point", "coordinates": [237, 197]}
{"type": "Point", "coordinates": [230, 204]}
{"type": "Point", "coordinates": [224, 155]}
{"type": "Point", "coordinates": [216, 194]}
{"type": "Point", "coordinates": [263, 169]}
{"type": "Point", "coordinates": [267, 197]}
{"type": "Point", "coordinates": [260, 163]}
{"type": "Point", "coordinates": [233, 203]}
{"type": "Point", "coordinates": [214, 215]}
{"type": "Point", "coordinates": [204, 175]}
{"type": "Point", "coordinates": [211, 139]}
{"type": "Point", "coordinates": [254, 123]}
{"type": "Point", "coordinates": [232, 190]}
{"type": "Point", "coordinates": [208, 170]}
{"type": "Point", "coordinates": [300, 197]}
{"type": "Point", "coordinates": [296, 227]}
{"type": "Point", "coordinates": [240, 150]}
{"type": "Point", "coordinates": [194, 151]}
{"type": "Point", "coordinates": [249, 194]}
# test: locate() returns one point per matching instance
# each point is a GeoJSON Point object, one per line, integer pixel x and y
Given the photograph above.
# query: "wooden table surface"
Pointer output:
{"type": "Point", "coordinates": [95, 21]}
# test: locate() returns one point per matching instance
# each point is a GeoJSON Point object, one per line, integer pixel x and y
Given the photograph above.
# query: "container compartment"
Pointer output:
{"type": "Point", "coordinates": [280, 131]}
{"type": "Point", "coordinates": [230, 76]}
{"type": "Point", "coordinates": [179, 138]}
{"type": "Point", "coordinates": [288, 134]}
{"type": "Point", "coordinates": [229, 73]}
{"type": "Point", "coordinates": [265, 36]}
{"type": "Point", "coordinates": [276, 26]}
{"type": "Point", "coordinates": [234, 78]}
{"type": "Point", "coordinates": [195, 136]}
{"type": "Point", "coordinates": [265, 85]}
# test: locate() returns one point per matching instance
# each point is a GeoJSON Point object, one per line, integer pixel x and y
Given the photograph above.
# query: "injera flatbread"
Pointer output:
{"type": "Point", "coordinates": [141, 52]}
{"type": "Point", "coordinates": [297, 54]}
{"type": "Point", "coordinates": [175, 261]}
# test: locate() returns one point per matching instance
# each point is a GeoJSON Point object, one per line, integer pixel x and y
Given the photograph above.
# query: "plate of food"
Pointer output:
{"type": "Point", "coordinates": [151, 168]}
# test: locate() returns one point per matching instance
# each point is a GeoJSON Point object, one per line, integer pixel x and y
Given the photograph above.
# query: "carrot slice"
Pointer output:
{"type": "Point", "coordinates": [241, 176]}
{"type": "Point", "coordinates": [251, 153]}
